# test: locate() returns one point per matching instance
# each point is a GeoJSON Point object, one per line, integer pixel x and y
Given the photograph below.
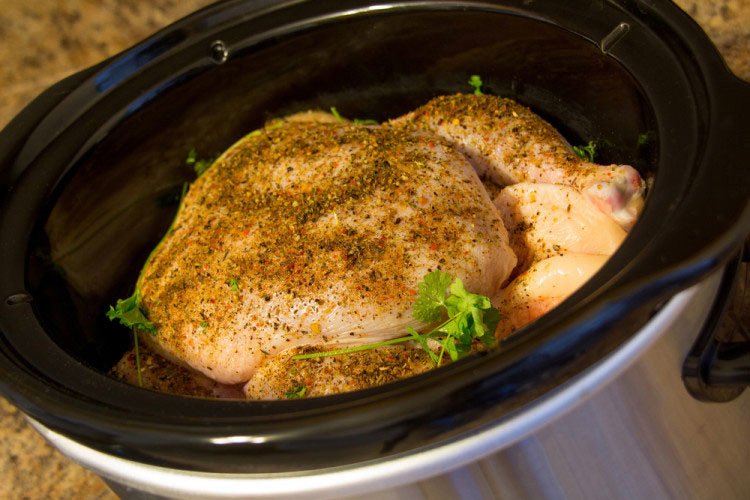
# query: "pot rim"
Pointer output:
{"type": "Point", "coordinates": [406, 468]}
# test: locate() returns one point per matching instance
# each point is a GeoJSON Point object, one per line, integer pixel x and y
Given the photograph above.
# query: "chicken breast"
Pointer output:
{"type": "Point", "coordinates": [310, 233]}
{"type": "Point", "coordinates": [543, 286]}
{"type": "Point", "coordinates": [509, 143]}
{"type": "Point", "coordinates": [544, 220]}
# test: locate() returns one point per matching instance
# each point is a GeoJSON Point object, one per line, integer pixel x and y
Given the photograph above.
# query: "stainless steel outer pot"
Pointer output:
{"type": "Point", "coordinates": [91, 171]}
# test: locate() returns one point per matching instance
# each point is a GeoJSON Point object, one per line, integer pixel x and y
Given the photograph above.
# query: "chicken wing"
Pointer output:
{"type": "Point", "coordinates": [509, 143]}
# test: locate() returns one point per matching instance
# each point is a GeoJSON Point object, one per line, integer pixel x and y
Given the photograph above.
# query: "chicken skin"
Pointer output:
{"type": "Point", "coordinates": [161, 375]}
{"type": "Point", "coordinates": [510, 144]}
{"type": "Point", "coordinates": [544, 220]}
{"type": "Point", "coordinates": [311, 234]}
{"type": "Point", "coordinates": [285, 377]}
{"type": "Point", "coordinates": [541, 287]}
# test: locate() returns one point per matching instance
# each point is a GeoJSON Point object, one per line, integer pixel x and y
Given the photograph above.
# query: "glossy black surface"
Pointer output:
{"type": "Point", "coordinates": [92, 171]}
{"type": "Point", "coordinates": [717, 368]}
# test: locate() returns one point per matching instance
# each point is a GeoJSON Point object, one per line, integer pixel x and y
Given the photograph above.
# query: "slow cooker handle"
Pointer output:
{"type": "Point", "coordinates": [717, 368]}
{"type": "Point", "coordinates": [700, 232]}
{"type": "Point", "coordinates": [718, 365]}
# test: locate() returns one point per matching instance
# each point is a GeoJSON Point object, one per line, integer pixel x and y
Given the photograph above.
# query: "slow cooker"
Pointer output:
{"type": "Point", "coordinates": [91, 173]}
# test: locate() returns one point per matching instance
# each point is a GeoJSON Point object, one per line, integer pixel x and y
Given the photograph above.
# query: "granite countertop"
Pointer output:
{"type": "Point", "coordinates": [45, 40]}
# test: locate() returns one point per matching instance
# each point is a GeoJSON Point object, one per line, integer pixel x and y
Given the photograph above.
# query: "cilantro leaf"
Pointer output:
{"type": "Point", "coordinates": [191, 157]}
{"type": "Point", "coordinates": [129, 313]}
{"type": "Point", "coordinates": [357, 121]}
{"type": "Point", "coordinates": [461, 300]}
{"type": "Point", "coordinates": [586, 152]}
{"type": "Point", "coordinates": [491, 318]}
{"type": "Point", "coordinates": [335, 113]}
{"type": "Point", "coordinates": [476, 82]}
{"type": "Point", "coordinates": [297, 391]}
{"type": "Point", "coordinates": [427, 308]}
{"type": "Point", "coordinates": [422, 341]}
{"type": "Point", "coordinates": [470, 316]}
{"type": "Point", "coordinates": [234, 284]}
{"type": "Point", "coordinates": [200, 166]}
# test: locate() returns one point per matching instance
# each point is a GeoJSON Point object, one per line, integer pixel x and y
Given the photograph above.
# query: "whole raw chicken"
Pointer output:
{"type": "Point", "coordinates": [309, 233]}
{"type": "Point", "coordinates": [313, 233]}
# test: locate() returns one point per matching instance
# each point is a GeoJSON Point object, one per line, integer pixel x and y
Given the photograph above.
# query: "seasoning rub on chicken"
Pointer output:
{"type": "Point", "coordinates": [316, 234]}
{"type": "Point", "coordinates": [312, 234]}
{"type": "Point", "coordinates": [509, 143]}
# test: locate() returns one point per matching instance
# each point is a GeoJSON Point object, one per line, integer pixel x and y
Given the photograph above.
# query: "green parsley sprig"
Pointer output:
{"type": "Point", "coordinates": [337, 115]}
{"type": "Point", "coordinates": [297, 392]}
{"type": "Point", "coordinates": [586, 152]}
{"type": "Point", "coordinates": [129, 313]}
{"type": "Point", "coordinates": [476, 82]}
{"type": "Point", "coordinates": [466, 316]}
{"type": "Point", "coordinates": [356, 121]}
{"type": "Point", "coordinates": [200, 166]}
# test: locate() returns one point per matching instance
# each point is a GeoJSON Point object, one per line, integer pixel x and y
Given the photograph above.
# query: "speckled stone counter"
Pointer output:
{"type": "Point", "coordinates": [43, 41]}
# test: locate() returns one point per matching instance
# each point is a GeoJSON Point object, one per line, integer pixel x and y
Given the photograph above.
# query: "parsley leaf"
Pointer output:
{"type": "Point", "coordinates": [470, 316]}
{"type": "Point", "coordinates": [427, 308]}
{"type": "Point", "coordinates": [129, 312]}
{"type": "Point", "coordinates": [476, 82]}
{"type": "Point", "coordinates": [335, 113]}
{"type": "Point", "coordinates": [422, 341]}
{"type": "Point", "coordinates": [234, 284]}
{"type": "Point", "coordinates": [357, 121]}
{"type": "Point", "coordinates": [297, 391]}
{"type": "Point", "coordinates": [586, 152]}
{"type": "Point", "coordinates": [200, 166]}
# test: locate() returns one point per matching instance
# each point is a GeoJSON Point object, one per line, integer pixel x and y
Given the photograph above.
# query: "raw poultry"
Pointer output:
{"type": "Point", "coordinates": [312, 233]}
{"type": "Point", "coordinates": [309, 234]}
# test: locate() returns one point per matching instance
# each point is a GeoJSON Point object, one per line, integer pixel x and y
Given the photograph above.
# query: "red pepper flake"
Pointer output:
{"type": "Point", "coordinates": [245, 232]}
{"type": "Point", "coordinates": [433, 246]}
